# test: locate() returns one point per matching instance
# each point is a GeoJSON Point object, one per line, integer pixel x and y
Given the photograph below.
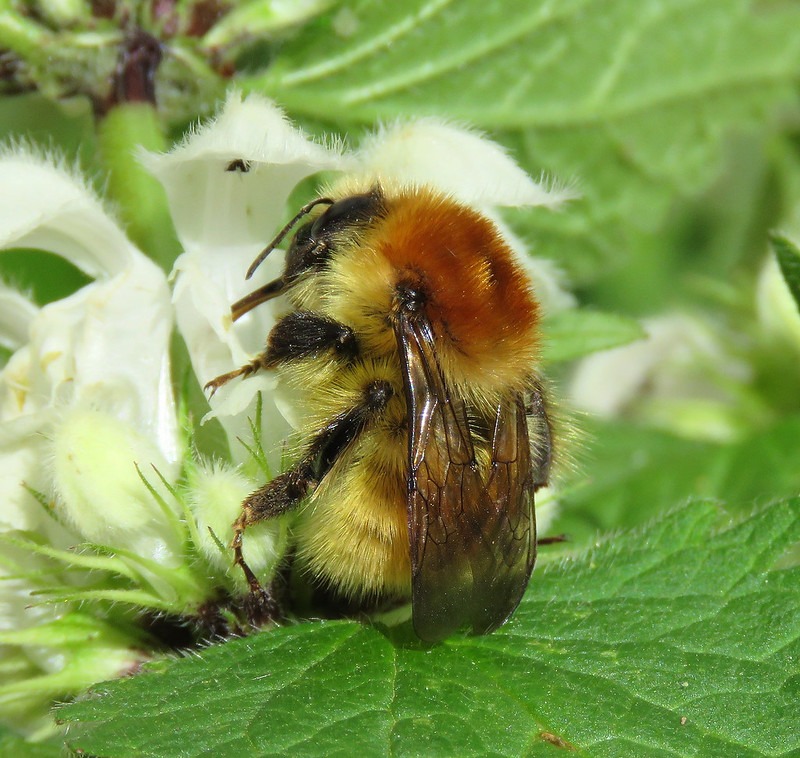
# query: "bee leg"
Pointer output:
{"type": "Point", "coordinates": [286, 491]}
{"type": "Point", "coordinates": [301, 334]}
{"type": "Point", "coordinates": [260, 606]}
{"type": "Point", "coordinates": [245, 371]}
{"type": "Point", "coordinates": [290, 488]}
{"type": "Point", "coordinates": [543, 447]}
{"type": "Point", "coordinates": [275, 498]}
{"type": "Point", "coordinates": [554, 540]}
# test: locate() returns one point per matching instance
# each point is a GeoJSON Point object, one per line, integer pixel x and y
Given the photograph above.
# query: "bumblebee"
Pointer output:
{"type": "Point", "coordinates": [413, 339]}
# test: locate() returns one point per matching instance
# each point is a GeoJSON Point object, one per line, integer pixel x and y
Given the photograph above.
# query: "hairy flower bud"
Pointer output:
{"type": "Point", "coordinates": [216, 497]}
{"type": "Point", "coordinates": [99, 490]}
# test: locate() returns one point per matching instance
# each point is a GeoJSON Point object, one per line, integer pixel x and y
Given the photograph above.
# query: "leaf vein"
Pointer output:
{"type": "Point", "coordinates": [373, 45]}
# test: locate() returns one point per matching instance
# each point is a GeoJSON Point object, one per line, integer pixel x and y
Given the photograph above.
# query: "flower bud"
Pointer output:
{"type": "Point", "coordinates": [101, 493]}
{"type": "Point", "coordinates": [216, 499]}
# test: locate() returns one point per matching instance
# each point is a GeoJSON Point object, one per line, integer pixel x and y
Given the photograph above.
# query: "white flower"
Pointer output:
{"type": "Point", "coordinates": [97, 457]}
{"type": "Point", "coordinates": [80, 351]}
{"type": "Point", "coordinates": [227, 186]}
{"type": "Point", "coordinates": [90, 445]}
{"type": "Point", "coordinates": [685, 376]}
{"type": "Point", "coordinates": [100, 353]}
{"type": "Point", "coordinates": [455, 160]}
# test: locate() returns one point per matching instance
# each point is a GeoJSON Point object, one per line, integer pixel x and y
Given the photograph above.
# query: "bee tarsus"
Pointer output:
{"type": "Point", "coordinates": [259, 605]}
{"type": "Point", "coordinates": [245, 371]}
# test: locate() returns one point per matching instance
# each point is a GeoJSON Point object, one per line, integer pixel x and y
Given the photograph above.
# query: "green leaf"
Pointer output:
{"type": "Point", "coordinates": [675, 640]}
{"type": "Point", "coordinates": [574, 333]}
{"type": "Point", "coordinates": [620, 60]}
{"type": "Point", "coordinates": [789, 261]}
{"type": "Point", "coordinates": [634, 102]}
{"type": "Point", "coordinates": [46, 276]}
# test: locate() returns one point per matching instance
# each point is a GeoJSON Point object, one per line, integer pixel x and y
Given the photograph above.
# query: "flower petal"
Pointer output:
{"type": "Point", "coordinates": [106, 345]}
{"type": "Point", "coordinates": [227, 186]}
{"type": "Point", "coordinates": [44, 206]}
{"type": "Point", "coordinates": [682, 358]}
{"type": "Point", "coordinates": [455, 160]}
{"type": "Point", "coordinates": [216, 204]}
{"type": "Point", "coordinates": [16, 314]}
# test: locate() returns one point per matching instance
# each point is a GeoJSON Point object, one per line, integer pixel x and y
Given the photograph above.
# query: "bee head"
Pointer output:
{"type": "Point", "coordinates": [314, 242]}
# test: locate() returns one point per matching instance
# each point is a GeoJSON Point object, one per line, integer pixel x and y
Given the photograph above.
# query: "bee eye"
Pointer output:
{"type": "Point", "coordinates": [354, 210]}
{"type": "Point", "coordinates": [303, 235]}
{"type": "Point", "coordinates": [304, 253]}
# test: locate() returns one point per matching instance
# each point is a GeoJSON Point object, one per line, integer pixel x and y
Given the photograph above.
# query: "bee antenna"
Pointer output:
{"type": "Point", "coordinates": [304, 211]}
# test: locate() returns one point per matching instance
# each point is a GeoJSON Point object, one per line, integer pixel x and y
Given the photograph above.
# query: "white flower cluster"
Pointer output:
{"type": "Point", "coordinates": [107, 513]}
{"type": "Point", "coordinates": [697, 374]}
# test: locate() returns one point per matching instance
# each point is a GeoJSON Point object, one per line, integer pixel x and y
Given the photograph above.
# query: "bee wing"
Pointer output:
{"type": "Point", "coordinates": [472, 531]}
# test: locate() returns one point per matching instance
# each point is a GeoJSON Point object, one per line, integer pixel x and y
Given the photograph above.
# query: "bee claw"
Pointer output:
{"type": "Point", "coordinates": [223, 379]}
{"type": "Point", "coordinates": [261, 608]}
{"type": "Point", "coordinates": [218, 382]}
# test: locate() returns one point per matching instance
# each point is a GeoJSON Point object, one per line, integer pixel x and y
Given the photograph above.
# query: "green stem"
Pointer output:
{"type": "Point", "coordinates": [122, 132]}
{"type": "Point", "coordinates": [20, 35]}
